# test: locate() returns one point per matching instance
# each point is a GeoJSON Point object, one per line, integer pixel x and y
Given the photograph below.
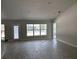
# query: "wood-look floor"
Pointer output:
{"type": "Point", "coordinates": [39, 49]}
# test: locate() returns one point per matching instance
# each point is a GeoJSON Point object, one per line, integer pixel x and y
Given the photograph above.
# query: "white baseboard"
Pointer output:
{"type": "Point", "coordinates": [67, 43]}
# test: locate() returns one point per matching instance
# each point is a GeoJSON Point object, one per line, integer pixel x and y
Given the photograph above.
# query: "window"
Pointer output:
{"type": "Point", "coordinates": [36, 29]}
{"type": "Point", "coordinates": [43, 29]}
{"type": "Point", "coordinates": [29, 29]}
{"type": "Point", "coordinates": [2, 32]}
{"type": "Point", "coordinates": [16, 32]}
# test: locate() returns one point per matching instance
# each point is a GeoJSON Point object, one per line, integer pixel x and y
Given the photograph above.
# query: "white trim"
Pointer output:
{"type": "Point", "coordinates": [70, 44]}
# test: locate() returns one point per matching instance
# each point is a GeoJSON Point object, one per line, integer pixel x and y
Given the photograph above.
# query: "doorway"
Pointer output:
{"type": "Point", "coordinates": [16, 31]}
{"type": "Point", "coordinates": [2, 32]}
{"type": "Point", "coordinates": [54, 30]}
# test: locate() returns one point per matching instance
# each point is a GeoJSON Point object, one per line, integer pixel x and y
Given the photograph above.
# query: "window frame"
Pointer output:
{"type": "Point", "coordinates": [27, 29]}
{"type": "Point", "coordinates": [43, 29]}
{"type": "Point", "coordinates": [39, 29]}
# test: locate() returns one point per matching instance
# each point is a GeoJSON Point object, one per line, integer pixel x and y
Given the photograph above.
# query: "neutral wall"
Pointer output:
{"type": "Point", "coordinates": [67, 26]}
{"type": "Point", "coordinates": [10, 23]}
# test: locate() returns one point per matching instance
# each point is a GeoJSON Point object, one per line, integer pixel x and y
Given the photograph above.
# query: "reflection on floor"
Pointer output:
{"type": "Point", "coordinates": [40, 49]}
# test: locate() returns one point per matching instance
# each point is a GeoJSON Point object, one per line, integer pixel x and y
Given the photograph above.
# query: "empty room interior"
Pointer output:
{"type": "Point", "coordinates": [38, 29]}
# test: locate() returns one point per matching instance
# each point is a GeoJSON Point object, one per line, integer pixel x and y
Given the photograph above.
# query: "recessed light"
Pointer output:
{"type": "Point", "coordinates": [59, 11]}
{"type": "Point", "coordinates": [49, 2]}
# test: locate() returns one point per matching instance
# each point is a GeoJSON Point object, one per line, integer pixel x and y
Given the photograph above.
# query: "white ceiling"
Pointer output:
{"type": "Point", "coordinates": [34, 9]}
